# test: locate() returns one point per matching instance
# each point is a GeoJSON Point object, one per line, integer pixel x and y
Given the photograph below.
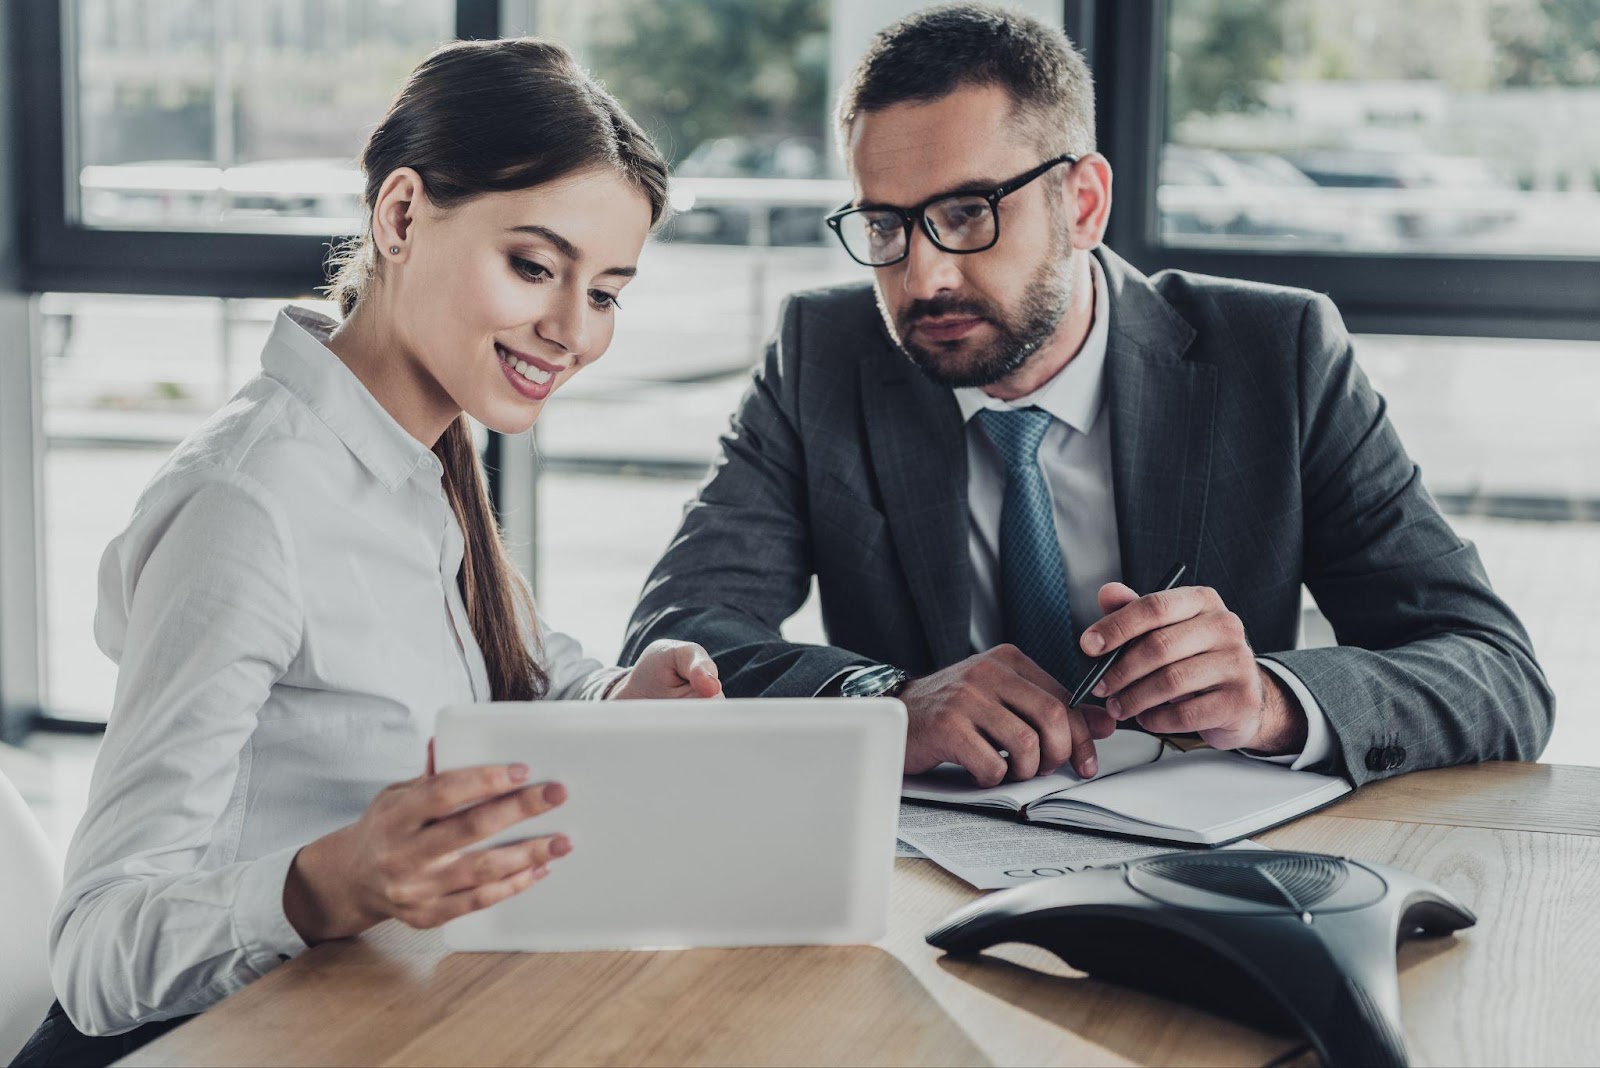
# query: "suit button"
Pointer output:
{"type": "Point", "coordinates": [1377, 759]}
{"type": "Point", "coordinates": [1397, 757]}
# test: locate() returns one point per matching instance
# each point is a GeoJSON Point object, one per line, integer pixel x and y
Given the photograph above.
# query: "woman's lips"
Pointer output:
{"type": "Point", "coordinates": [528, 375]}
{"type": "Point", "coordinates": [952, 329]}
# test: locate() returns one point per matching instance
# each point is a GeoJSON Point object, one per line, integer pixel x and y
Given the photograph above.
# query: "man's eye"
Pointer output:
{"type": "Point", "coordinates": [965, 214]}
{"type": "Point", "coordinates": [883, 226]}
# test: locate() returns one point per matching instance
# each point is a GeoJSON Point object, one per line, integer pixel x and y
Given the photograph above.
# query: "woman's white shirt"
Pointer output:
{"type": "Point", "coordinates": [284, 611]}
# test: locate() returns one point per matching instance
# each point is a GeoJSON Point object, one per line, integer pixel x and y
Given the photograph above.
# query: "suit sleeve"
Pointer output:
{"type": "Point", "coordinates": [1432, 667]}
{"type": "Point", "coordinates": [740, 563]}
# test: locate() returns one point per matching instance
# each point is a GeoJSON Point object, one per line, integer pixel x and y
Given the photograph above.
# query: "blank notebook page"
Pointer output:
{"type": "Point", "coordinates": [1205, 790]}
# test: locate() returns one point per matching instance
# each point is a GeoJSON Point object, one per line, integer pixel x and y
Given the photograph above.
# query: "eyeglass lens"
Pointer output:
{"type": "Point", "coordinates": [958, 224]}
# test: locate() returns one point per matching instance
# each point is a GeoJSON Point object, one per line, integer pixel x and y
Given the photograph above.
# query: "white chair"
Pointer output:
{"type": "Point", "coordinates": [30, 882]}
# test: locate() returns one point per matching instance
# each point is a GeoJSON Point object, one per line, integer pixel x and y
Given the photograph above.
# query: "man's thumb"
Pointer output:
{"type": "Point", "coordinates": [1113, 595]}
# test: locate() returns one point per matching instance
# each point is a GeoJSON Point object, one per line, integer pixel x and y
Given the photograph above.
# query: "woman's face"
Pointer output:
{"type": "Point", "coordinates": [504, 298]}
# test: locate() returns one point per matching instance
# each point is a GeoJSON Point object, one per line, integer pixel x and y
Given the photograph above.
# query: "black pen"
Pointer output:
{"type": "Point", "coordinates": [1103, 663]}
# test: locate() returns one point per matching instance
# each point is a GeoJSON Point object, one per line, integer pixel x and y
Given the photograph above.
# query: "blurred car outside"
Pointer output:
{"type": "Point", "coordinates": [312, 196]}
{"type": "Point", "coordinates": [764, 190]}
{"type": "Point", "coordinates": [1208, 196]}
{"type": "Point", "coordinates": [1422, 196]}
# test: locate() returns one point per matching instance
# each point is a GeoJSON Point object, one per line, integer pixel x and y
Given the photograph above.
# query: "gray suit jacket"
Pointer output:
{"type": "Point", "coordinates": [1246, 442]}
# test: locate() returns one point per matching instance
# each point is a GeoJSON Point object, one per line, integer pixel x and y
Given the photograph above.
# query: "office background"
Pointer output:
{"type": "Point", "coordinates": [175, 169]}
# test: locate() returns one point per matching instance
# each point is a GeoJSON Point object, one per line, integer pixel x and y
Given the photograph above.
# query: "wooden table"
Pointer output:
{"type": "Point", "coordinates": [1519, 843]}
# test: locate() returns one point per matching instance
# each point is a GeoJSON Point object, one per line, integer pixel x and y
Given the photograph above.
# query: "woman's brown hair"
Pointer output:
{"type": "Point", "coordinates": [480, 117]}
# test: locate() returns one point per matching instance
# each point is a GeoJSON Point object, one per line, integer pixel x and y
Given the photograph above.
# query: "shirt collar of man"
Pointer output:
{"type": "Point", "coordinates": [1074, 394]}
{"type": "Point", "coordinates": [298, 358]}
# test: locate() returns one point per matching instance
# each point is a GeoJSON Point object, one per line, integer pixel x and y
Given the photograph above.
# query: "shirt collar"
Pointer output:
{"type": "Point", "coordinates": [1074, 394]}
{"type": "Point", "coordinates": [297, 357]}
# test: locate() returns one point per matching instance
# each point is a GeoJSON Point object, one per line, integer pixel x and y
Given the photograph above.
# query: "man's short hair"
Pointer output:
{"type": "Point", "coordinates": [927, 55]}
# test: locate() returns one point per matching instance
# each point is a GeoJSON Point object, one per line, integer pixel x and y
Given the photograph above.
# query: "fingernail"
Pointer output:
{"type": "Point", "coordinates": [1114, 706]}
{"type": "Point", "coordinates": [539, 873]}
{"type": "Point", "coordinates": [1091, 768]}
{"type": "Point", "coordinates": [560, 846]}
{"type": "Point", "coordinates": [519, 772]}
{"type": "Point", "coordinates": [554, 793]}
{"type": "Point", "coordinates": [1093, 643]}
{"type": "Point", "coordinates": [1101, 689]}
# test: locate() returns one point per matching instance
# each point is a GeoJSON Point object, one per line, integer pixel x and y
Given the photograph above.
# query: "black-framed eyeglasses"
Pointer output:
{"type": "Point", "coordinates": [956, 222]}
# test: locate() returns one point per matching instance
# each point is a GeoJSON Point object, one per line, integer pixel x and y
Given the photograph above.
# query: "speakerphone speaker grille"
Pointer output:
{"type": "Point", "coordinates": [1294, 883]}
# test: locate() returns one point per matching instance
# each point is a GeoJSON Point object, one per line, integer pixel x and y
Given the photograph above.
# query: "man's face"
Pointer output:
{"type": "Point", "coordinates": [973, 319]}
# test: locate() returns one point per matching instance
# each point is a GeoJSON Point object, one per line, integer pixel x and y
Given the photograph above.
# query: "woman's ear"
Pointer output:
{"type": "Point", "coordinates": [399, 200]}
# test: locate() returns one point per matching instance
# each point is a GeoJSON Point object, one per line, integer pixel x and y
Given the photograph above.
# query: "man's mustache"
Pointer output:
{"type": "Point", "coordinates": [918, 310]}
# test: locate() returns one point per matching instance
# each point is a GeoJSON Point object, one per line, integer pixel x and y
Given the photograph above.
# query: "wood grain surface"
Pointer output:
{"type": "Point", "coordinates": [1518, 843]}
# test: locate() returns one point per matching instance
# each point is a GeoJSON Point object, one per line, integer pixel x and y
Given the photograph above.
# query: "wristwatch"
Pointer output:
{"type": "Point", "coordinates": [880, 680]}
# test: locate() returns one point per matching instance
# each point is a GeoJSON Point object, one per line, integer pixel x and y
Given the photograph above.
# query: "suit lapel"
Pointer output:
{"type": "Point", "coordinates": [1162, 411]}
{"type": "Point", "coordinates": [919, 454]}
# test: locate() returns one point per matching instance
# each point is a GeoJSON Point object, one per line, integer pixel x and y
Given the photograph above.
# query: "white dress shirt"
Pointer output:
{"type": "Point", "coordinates": [284, 613]}
{"type": "Point", "coordinates": [1075, 458]}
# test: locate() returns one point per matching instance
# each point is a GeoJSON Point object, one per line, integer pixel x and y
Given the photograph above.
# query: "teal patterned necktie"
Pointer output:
{"type": "Point", "coordinates": [1033, 583]}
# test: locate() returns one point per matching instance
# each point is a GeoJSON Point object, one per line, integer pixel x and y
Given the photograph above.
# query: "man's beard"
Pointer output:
{"type": "Point", "coordinates": [1018, 336]}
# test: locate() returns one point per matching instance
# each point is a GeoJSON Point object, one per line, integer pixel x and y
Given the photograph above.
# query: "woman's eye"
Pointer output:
{"type": "Point", "coordinates": [604, 300]}
{"type": "Point", "coordinates": [530, 269]}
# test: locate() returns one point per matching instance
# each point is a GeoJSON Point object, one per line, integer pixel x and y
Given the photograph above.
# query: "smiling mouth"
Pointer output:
{"type": "Point", "coordinates": [533, 370]}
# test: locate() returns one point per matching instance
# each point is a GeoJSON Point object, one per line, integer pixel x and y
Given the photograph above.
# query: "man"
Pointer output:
{"type": "Point", "coordinates": [986, 467]}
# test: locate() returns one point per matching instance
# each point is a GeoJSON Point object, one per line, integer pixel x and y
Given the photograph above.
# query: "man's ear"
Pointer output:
{"type": "Point", "coordinates": [1089, 183]}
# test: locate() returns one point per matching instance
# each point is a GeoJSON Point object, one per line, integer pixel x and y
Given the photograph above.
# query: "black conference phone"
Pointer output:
{"type": "Point", "coordinates": [1286, 942]}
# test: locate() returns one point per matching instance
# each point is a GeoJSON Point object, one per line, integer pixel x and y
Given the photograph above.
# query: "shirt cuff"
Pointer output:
{"type": "Point", "coordinates": [1319, 739]}
{"type": "Point", "coordinates": [598, 686]}
{"type": "Point", "coordinates": [265, 934]}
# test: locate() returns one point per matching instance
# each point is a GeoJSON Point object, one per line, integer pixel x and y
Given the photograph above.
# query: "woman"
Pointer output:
{"type": "Point", "coordinates": [316, 571]}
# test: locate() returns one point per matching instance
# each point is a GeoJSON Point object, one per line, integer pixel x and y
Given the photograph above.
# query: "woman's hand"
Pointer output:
{"type": "Point", "coordinates": [407, 857]}
{"type": "Point", "coordinates": [669, 669]}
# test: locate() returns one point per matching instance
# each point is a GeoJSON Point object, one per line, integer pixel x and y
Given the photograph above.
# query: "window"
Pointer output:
{"type": "Point", "coordinates": [1431, 182]}
{"type": "Point", "coordinates": [197, 148]}
{"type": "Point", "coordinates": [234, 116]}
{"type": "Point", "coordinates": [1361, 127]}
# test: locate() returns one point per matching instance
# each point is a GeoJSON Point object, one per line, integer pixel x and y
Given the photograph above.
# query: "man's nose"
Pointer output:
{"type": "Point", "coordinates": [929, 269]}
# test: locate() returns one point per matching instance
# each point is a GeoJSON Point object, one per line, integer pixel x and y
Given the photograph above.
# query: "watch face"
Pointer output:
{"type": "Point", "coordinates": [873, 682]}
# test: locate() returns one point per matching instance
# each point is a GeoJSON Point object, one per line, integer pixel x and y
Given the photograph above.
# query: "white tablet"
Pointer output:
{"type": "Point", "coordinates": [694, 822]}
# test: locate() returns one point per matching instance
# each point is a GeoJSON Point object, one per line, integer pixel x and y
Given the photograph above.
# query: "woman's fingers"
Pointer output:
{"type": "Point", "coordinates": [701, 673]}
{"type": "Point", "coordinates": [671, 669]}
{"type": "Point", "coordinates": [447, 908]}
{"type": "Point", "coordinates": [472, 825]}
{"type": "Point", "coordinates": [434, 797]}
{"type": "Point", "coordinates": [480, 866]}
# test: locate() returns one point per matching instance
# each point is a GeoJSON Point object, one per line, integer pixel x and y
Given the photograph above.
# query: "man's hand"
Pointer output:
{"type": "Point", "coordinates": [1188, 667]}
{"type": "Point", "coordinates": [999, 700]}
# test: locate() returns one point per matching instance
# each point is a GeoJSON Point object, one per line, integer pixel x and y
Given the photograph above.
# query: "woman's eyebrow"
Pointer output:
{"type": "Point", "coordinates": [567, 248]}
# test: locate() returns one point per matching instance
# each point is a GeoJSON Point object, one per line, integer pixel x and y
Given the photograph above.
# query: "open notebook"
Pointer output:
{"type": "Point", "coordinates": [1201, 797]}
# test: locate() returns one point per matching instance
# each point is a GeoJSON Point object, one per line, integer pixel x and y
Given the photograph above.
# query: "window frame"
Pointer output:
{"type": "Point", "coordinates": [1524, 296]}
{"type": "Point", "coordinates": [61, 255]}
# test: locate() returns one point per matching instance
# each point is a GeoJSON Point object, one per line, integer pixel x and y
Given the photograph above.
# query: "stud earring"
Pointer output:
{"type": "Point", "coordinates": [394, 250]}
